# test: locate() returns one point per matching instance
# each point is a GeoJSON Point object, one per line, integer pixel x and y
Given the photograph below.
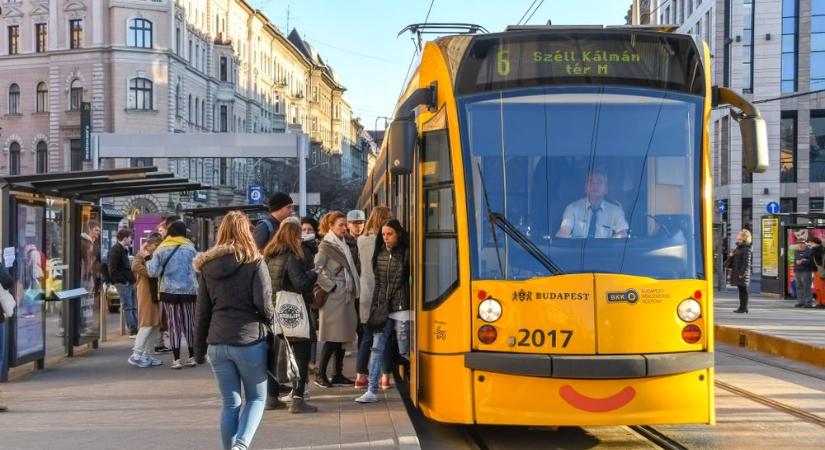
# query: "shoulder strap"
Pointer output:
{"type": "Point", "coordinates": [269, 226]}
{"type": "Point", "coordinates": [163, 268]}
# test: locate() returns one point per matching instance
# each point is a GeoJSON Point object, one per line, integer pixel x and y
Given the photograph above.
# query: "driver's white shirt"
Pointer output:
{"type": "Point", "coordinates": [609, 220]}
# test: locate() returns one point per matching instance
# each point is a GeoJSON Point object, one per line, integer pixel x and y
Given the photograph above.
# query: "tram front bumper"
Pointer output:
{"type": "Point", "coordinates": [590, 366]}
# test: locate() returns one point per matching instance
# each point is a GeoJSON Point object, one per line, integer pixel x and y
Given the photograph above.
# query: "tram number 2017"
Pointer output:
{"type": "Point", "coordinates": [538, 338]}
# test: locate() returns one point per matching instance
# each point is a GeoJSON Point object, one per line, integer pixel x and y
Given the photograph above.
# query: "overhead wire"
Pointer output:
{"type": "Point", "coordinates": [534, 11]}
{"type": "Point", "coordinates": [415, 52]}
{"type": "Point", "coordinates": [526, 11]}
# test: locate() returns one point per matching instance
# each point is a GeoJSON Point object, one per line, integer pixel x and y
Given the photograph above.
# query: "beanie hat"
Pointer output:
{"type": "Point", "coordinates": [278, 200]}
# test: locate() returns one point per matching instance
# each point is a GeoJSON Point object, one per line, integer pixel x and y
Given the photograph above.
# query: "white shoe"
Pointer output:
{"type": "Point", "coordinates": [176, 364]}
{"type": "Point", "coordinates": [190, 362]}
{"type": "Point", "coordinates": [153, 361]}
{"type": "Point", "coordinates": [367, 397]}
{"type": "Point", "coordinates": [286, 397]}
{"type": "Point", "coordinates": [138, 361]}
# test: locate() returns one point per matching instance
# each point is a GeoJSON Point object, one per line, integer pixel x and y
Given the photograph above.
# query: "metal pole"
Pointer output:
{"type": "Point", "coordinates": [302, 173]}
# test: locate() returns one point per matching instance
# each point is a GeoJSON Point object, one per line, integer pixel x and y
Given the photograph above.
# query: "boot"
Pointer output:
{"type": "Point", "coordinates": [322, 380]}
{"type": "Point", "coordinates": [272, 403]}
{"type": "Point", "coordinates": [3, 407]}
{"type": "Point", "coordinates": [326, 354]}
{"type": "Point", "coordinates": [299, 406]}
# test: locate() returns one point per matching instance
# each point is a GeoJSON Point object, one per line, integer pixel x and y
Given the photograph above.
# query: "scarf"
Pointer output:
{"type": "Point", "coordinates": [341, 245]}
{"type": "Point", "coordinates": [172, 241]}
{"type": "Point", "coordinates": [87, 237]}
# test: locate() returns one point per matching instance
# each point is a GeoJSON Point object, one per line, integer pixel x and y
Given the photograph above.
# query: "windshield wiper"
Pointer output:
{"type": "Point", "coordinates": [490, 220]}
{"type": "Point", "coordinates": [508, 228]}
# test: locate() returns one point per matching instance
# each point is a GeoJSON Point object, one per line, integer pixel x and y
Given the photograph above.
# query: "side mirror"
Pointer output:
{"type": "Point", "coordinates": [402, 136]}
{"type": "Point", "coordinates": [754, 144]}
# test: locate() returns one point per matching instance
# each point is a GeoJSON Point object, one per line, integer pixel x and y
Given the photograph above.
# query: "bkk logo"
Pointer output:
{"type": "Point", "coordinates": [291, 316]}
{"type": "Point", "coordinates": [629, 296]}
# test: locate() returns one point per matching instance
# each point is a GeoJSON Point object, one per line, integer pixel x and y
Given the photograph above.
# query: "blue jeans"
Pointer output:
{"type": "Point", "coordinates": [127, 304]}
{"type": "Point", "coordinates": [379, 345]}
{"type": "Point", "coordinates": [803, 288]}
{"type": "Point", "coordinates": [233, 366]}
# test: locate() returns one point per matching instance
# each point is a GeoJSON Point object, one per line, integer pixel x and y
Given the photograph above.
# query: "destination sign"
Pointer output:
{"type": "Point", "coordinates": [560, 57]}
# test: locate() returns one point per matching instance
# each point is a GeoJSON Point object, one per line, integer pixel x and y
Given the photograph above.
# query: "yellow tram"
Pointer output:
{"type": "Point", "coordinates": [556, 183]}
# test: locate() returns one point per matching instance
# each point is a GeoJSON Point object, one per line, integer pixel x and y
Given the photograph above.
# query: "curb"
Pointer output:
{"type": "Point", "coordinates": [765, 343]}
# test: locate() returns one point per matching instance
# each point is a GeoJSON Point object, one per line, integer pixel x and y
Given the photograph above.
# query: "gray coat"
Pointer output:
{"type": "Point", "coordinates": [337, 319]}
{"type": "Point", "coordinates": [366, 247]}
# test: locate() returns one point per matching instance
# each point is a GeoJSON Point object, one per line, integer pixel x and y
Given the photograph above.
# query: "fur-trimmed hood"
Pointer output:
{"type": "Point", "coordinates": [218, 262]}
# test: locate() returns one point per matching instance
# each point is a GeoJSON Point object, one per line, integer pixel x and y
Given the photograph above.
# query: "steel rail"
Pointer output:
{"type": "Point", "coordinates": [656, 437]}
{"type": "Point", "coordinates": [796, 412]}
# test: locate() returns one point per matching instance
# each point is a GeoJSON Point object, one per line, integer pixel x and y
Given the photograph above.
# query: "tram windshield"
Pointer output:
{"type": "Point", "coordinates": [599, 179]}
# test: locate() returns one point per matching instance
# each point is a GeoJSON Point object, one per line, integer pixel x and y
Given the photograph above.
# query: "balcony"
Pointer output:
{"type": "Point", "coordinates": [221, 40]}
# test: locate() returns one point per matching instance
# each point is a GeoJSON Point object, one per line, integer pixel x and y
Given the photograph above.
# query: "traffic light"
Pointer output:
{"type": "Point", "coordinates": [727, 229]}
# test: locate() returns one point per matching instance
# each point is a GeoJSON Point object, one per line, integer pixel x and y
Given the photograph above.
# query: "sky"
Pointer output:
{"type": "Point", "coordinates": [358, 38]}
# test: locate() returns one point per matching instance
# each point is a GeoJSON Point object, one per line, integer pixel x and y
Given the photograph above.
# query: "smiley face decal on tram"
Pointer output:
{"type": "Point", "coordinates": [596, 405]}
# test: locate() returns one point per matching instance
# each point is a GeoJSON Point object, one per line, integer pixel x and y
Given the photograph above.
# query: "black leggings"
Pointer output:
{"type": "Point", "coordinates": [743, 297]}
{"type": "Point", "coordinates": [302, 352]}
{"type": "Point", "coordinates": [330, 349]}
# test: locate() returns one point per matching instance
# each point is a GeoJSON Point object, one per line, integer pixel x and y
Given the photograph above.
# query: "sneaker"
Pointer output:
{"type": "Point", "coordinates": [299, 406]}
{"type": "Point", "coordinates": [286, 397]}
{"type": "Point", "coordinates": [347, 354]}
{"type": "Point", "coordinates": [323, 381]}
{"type": "Point", "coordinates": [132, 335]}
{"type": "Point", "coordinates": [3, 408]}
{"type": "Point", "coordinates": [798, 305]}
{"type": "Point", "coordinates": [274, 403]}
{"type": "Point", "coordinates": [162, 349]}
{"type": "Point", "coordinates": [176, 364]}
{"type": "Point", "coordinates": [340, 379]}
{"type": "Point", "coordinates": [385, 384]}
{"type": "Point", "coordinates": [190, 362]}
{"type": "Point", "coordinates": [139, 361]}
{"type": "Point", "coordinates": [367, 397]}
{"type": "Point", "coordinates": [153, 361]}
{"type": "Point", "coordinates": [361, 382]}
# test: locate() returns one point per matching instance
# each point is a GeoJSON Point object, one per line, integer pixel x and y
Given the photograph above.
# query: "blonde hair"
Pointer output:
{"type": "Point", "coordinates": [287, 237]}
{"type": "Point", "coordinates": [235, 232]}
{"type": "Point", "coordinates": [746, 236]}
{"type": "Point", "coordinates": [329, 220]}
{"type": "Point", "coordinates": [378, 217]}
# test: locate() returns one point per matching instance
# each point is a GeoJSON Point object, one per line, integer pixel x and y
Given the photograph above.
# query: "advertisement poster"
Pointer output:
{"type": "Point", "coordinates": [89, 320]}
{"type": "Point", "coordinates": [30, 280]}
{"type": "Point", "coordinates": [770, 247]}
{"type": "Point", "coordinates": [794, 238]}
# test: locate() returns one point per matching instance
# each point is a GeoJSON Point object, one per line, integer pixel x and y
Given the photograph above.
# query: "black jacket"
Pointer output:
{"type": "Point", "coordinates": [8, 283]}
{"type": "Point", "coordinates": [740, 265]}
{"type": "Point", "coordinates": [392, 285]}
{"type": "Point", "coordinates": [120, 270]}
{"type": "Point", "coordinates": [290, 273]}
{"type": "Point", "coordinates": [234, 305]}
{"type": "Point", "coordinates": [352, 243]}
{"type": "Point", "coordinates": [262, 234]}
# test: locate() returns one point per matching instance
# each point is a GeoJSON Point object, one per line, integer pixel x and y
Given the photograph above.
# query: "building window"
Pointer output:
{"type": "Point", "coordinates": [816, 204]}
{"type": "Point", "coordinates": [42, 100]}
{"type": "Point", "coordinates": [787, 150]}
{"type": "Point", "coordinates": [189, 108]}
{"type": "Point", "coordinates": [223, 68]}
{"type": "Point", "coordinates": [790, 23]}
{"type": "Point", "coordinates": [141, 162]}
{"type": "Point", "coordinates": [787, 205]}
{"type": "Point", "coordinates": [190, 51]}
{"type": "Point", "coordinates": [41, 33]}
{"type": "Point", "coordinates": [747, 44]}
{"type": "Point", "coordinates": [140, 33]}
{"type": "Point", "coordinates": [76, 155]}
{"type": "Point", "coordinates": [42, 157]}
{"type": "Point", "coordinates": [75, 95]}
{"type": "Point", "coordinates": [177, 100]}
{"type": "Point", "coordinates": [203, 113]}
{"type": "Point", "coordinates": [140, 94]}
{"type": "Point", "coordinates": [817, 139]}
{"type": "Point", "coordinates": [14, 99]}
{"type": "Point", "coordinates": [76, 33]}
{"type": "Point", "coordinates": [14, 39]}
{"type": "Point", "coordinates": [224, 120]}
{"type": "Point", "coordinates": [177, 40]}
{"type": "Point", "coordinates": [14, 158]}
{"type": "Point", "coordinates": [747, 213]}
{"type": "Point", "coordinates": [817, 44]}
{"type": "Point", "coordinates": [197, 110]}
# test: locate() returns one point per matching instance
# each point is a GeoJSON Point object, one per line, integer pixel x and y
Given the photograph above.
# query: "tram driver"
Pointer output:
{"type": "Point", "coordinates": [593, 216]}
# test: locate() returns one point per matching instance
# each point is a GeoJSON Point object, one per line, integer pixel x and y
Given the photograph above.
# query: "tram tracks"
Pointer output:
{"type": "Point", "coordinates": [656, 437]}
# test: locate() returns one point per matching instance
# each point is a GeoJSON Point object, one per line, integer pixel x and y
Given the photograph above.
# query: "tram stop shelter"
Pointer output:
{"type": "Point", "coordinates": [206, 220]}
{"type": "Point", "coordinates": [55, 267]}
{"type": "Point", "coordinates": [781, 234]}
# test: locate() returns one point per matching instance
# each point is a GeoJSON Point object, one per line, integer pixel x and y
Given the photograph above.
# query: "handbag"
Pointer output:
{"type": "Point", "coordinates": [292, 371]}
{"type": "Point", "coordinates": [319, 297]}
{"type": "Point", "coordinates": [291, 314]}
{"type": "Point", "coordinates": [7, 302]}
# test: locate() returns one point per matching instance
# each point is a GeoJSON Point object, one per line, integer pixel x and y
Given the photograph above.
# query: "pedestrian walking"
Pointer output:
{"type": "Point", "coordinates": [337, 276]}
{"type": "Point", "coordinates": [291, 271]}
{"type": "Point", "coordinates": [740, 264]}
{"type": "Point", "coordinates": [234, 314]}
{"type": "Point", "coordinates": [390, 309]}
{"type": "Point", "coordinates": [148, 306]}
{"type": "Point", "coordinates": [171, 264]}
{"type": "Point", "coordinates": [7, 283]}
{"type": "Point", "coordinates": [366, 249]}
{"type": "Point", "coordinates": [120, 273]}
{"type": "Point", "coordinates": [803, 267]}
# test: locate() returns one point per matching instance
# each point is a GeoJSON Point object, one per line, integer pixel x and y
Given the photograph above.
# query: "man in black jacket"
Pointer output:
{"type": "Point", "coordinates": [120, 273]}
{"type": "Point", "coordinates": [280, 207]}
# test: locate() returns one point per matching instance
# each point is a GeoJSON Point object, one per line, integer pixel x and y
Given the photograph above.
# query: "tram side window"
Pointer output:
{"type": "Point", "coordinates": [440, 277]}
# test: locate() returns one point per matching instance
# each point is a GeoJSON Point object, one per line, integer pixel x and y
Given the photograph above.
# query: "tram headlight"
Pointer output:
{"type": "Point", "coordinates": [689, 310]}
{"type": "Point", "coordinates": [489, 310]}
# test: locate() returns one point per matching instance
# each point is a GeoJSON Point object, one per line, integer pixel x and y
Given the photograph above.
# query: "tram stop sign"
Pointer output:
{"type": "Point", "coordinates": [772, 207]}
{"type": "Point", "coordinates": [722, 207]}
{"type": "Point", "coordinates": [255, 195]}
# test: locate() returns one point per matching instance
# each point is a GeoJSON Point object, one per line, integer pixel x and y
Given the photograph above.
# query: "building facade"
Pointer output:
{"type": "Point", "coordinates": [155, 66]}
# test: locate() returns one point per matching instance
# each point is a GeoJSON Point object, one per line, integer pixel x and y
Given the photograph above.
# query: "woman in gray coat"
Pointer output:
{"type": "Point", "coordinates": [337, 276]}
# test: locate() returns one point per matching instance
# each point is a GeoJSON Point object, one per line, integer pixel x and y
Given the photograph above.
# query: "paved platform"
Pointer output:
{"type": "Point", "coordinates": [772, 326]}
{"type": "Point", "coordinates": [98, 401]}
